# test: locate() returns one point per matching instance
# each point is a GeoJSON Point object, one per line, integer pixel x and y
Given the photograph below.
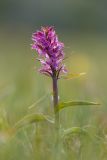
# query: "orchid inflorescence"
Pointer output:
{"type": "Point", "coordinates": [50, 51]}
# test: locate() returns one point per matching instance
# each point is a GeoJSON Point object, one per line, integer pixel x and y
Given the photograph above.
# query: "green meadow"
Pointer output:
{"type": "Point", "coordinates": [24, 91]}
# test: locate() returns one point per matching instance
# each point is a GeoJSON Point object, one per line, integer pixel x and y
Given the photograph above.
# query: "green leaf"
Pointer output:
{"type": "Point", "coordinates": [71, 75]}
{"type": "Point", "coordinates": [32, 118]}
{"type": "Point", "coordinates": [63, 105]}
{"type": "Point", "coordinates": [74, 130]}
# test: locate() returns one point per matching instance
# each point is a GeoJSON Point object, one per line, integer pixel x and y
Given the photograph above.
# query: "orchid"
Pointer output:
{"type": "Point", "coordinates": [51, 56]}
{"type": "Point", "coordinates": [50, 53]}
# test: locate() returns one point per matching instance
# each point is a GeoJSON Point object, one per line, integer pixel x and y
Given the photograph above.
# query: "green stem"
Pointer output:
{"type": "Point", "coordinates": [55, 101]}
{"type": "Point", "coordinates": [57, 118]}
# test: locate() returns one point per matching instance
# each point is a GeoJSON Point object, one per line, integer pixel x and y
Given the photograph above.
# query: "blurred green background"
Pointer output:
{"type": "Point", "coordinates": [82, 26]}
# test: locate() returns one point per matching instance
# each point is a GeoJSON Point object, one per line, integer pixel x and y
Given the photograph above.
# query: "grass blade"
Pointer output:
{"type": "Point", "coordinates": [32, 118]}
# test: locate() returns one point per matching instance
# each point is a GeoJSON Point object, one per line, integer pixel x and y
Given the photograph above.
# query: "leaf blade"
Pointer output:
{"type": "Point", "coordinates": [73, 130]}
{"type": "Point", "coordinates": [73, 103]}
{"type": "Point", "coordinates": [72, 75]}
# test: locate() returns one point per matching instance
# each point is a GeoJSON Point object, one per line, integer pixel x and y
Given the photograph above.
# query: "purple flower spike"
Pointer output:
{"type": "Point", "coordinates": [50, 51]}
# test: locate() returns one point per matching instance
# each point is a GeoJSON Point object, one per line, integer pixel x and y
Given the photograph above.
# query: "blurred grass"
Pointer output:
{"type": "Point", "coordinates": [21, 86]}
